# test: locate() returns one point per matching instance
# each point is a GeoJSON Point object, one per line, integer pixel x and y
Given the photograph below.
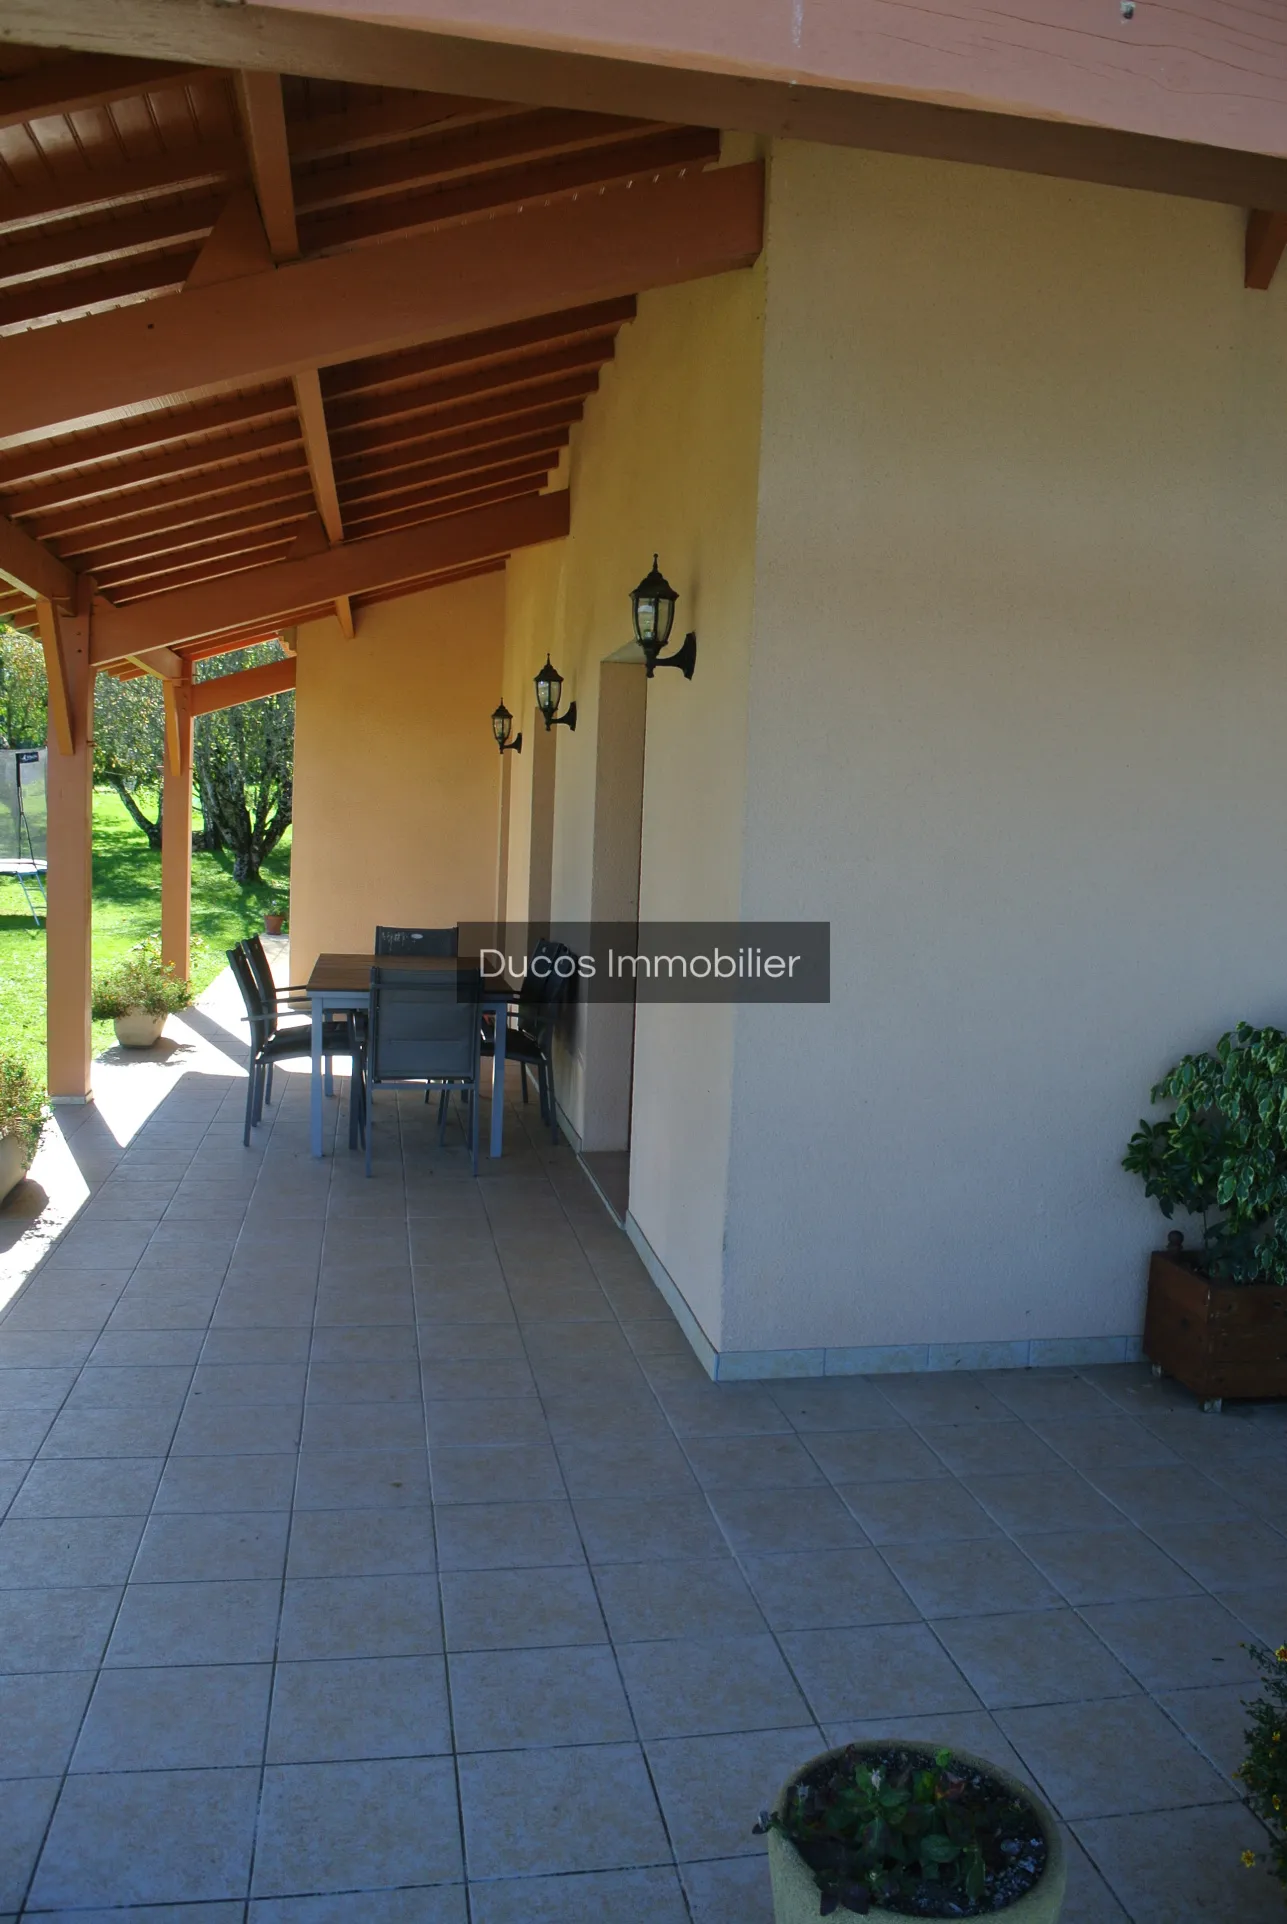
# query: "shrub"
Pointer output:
{"type": "Point", "coordinates": [1265, 1771]}
{"type": "Point", "coordinates": [22, 1106]}
{"type": "Point", "coordinates": [911, 1830]}
{"type": "Point", "coordinates": [1221, 1155]}
{"type": "Point", "coordinates": [140, 981]}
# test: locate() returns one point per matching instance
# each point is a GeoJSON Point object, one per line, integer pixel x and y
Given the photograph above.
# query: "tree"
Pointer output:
{"type": "Point", "coordinates": [23, 694]}
{"type": "Point", "coordinates": [244, 762]}
{"type": "Point", "coordinates": [129, 745]}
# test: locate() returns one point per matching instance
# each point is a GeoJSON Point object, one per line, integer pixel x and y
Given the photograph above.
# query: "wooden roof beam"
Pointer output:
{"type": "Point", "coordinates": [263, 121]}
{"type": "Point", "coordinates": [216, 163]}
{"type": "Point", "coordinates": [74, 250]}
{"type": "Point", "coordinates": [106, 290]}
{"type": "Point", "coordinates": [248, 684]}
{"type": "Point", "coordinates": [85, 80]}
{"type": "Point", "coordinates": [146, 543]}
{"type": "Point", "coordinates": [1266, 240]}
{"type": "Point", "coordinates": [437, 285]}
{"type": "Point", "coordinates": [31, 566]}
{"type": "Point", "coordinates": [277, 592]}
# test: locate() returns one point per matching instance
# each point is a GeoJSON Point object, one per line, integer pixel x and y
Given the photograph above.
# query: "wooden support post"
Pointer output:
{"type": "Point", "coordinates": [176, 829]}
{"type": "Point", "coordinates": [69, 922]}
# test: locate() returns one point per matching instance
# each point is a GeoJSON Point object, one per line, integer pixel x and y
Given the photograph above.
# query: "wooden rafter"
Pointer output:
{"type": "Point", "coordinates": [263, 119]}
{"type": "Point", "coordinates": [283, 589]}
{"type": "Point", "coordinates": [477, 351]}
{"type": "Point", "coordinates": [445, 283]}
{"type": "Point", "coordinates": [141, 434]}
{"type": "Point", "coordinates": [1266, 241]}
{"type": "Point", "coordinates": [214, 163]}
{"type": "Point", "coordinates": [76, 249]}
{"type": "Point", "coordinates": [248, 684]}
{"type": "Point", "coordinates": [29, 565]}
{"type": "Point", "coordinates": [393, 118]}
{"type": "Point", "coordinates": [218, 465]}
{"type": "Point", "coordinates": [85, 80]}
{"type": "Point", "coordinates": [317, 447]}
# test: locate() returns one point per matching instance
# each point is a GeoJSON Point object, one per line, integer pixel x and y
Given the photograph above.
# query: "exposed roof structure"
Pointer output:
{"type": "Point", "coordinates": [127, 184]}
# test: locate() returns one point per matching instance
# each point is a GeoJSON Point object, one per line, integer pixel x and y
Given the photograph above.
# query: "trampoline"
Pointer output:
{"type": "Point", "coordinates": [22, 823]}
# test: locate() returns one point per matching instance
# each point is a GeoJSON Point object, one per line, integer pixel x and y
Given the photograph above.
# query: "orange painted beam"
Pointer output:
{"type": "Point", "coordinates": [443, 283]}
{"type": "Point", "coordinates": [30, 565]}
{"type": "Point", "coordinates": [263, 125]}
{"type": "Point", "coordinates": [283, 588]}
{"type": "Point", "coordinates": [317, 448]}
{"type": "Point", "coordinates": [69, 86]}
{"type": "Point", "coordinates": [1266, 240]}
{"type": "Point", "coordinates": [248, 684]}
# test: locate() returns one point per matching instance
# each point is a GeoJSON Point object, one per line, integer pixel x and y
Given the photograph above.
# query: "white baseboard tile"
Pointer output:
{"type": "Point", "coordinates": [1071, 1352]}
{"type": "Point", "coordinates": [894, 1359]}
{"type": "Point", "coordinates": [884, 1359]}
{"type": "Point", "coordinates": [702, 1347]}
{"type": "Point", "coordinates": [759, 1365]}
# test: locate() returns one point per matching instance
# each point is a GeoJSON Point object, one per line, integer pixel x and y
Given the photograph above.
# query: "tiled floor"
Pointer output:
{"type": "Point", "coordinates": [364, 1538]}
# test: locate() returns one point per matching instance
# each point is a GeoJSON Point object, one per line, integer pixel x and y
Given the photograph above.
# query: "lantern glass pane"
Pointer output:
{"type": "Point", "coordinates": [665, 616]}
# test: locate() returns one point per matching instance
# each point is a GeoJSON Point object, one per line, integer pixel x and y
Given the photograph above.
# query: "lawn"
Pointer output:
{"type": "Point", "coordinates": [127, 907]}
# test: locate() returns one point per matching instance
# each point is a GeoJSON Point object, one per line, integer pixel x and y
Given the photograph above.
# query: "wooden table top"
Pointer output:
{"type": "Point", "coordinates": [351, 974]}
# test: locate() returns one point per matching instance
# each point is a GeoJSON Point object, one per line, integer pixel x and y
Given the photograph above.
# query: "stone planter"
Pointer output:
{"type": "Point", "coordinates": [138, 1029]}
{"type": "Point", "coordinates": [1218, 1339]}
{"type": "Point", "coordinates": [14, 1164]}
{"type": "Point", "coordinates": [273, 924]}
{"type": "Point", "coordinates": [795, 1895]}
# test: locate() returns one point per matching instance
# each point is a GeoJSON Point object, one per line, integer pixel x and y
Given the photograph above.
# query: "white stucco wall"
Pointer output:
{"type": "Point", "coordinates": [1018, 705]}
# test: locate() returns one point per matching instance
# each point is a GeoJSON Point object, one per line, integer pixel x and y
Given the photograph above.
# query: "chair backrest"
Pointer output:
{"type": "Point", "coordinates": [423, 1027]}
{"type": "Point", "coordinates": [393, 941]}
{"type": "Point", "coordinates": [260, 967]}
{"type": "Point", "coordinates": [543, 989]}
{"type": "Point", "coordinates": [244, 976]}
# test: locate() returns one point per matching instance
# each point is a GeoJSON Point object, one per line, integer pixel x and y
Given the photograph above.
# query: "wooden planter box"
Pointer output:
{"type": "Point", "coordinates": [1217, 1340]}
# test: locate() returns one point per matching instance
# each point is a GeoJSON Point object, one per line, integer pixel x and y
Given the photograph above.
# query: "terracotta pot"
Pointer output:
{"type": "Point", "coordinates": [1218, 1339]}
{"type": "Point", "coordinates": [138, 1029]}
{"type": "Point", "coordinates": [795, 1895]}
{"type": "Point", "coordinates": [14, 1164]}
{"type": "Point", "coordinates": [273, 924]}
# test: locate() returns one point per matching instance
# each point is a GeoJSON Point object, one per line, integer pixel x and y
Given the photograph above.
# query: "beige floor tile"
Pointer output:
{"type": "Point", "coordinates": [828, 1589]}
{"type": "Point", "coordinates": [1059, 1499]}
{"type": "Point", "coordinates": [386, 1616]}
{"type": "Point", "coordinates": [486, 1420]}
{"type": "Point", "coordinates": [1047, 1656]}
{"type": "Point", "coordinates": [697, 1598]}
{"type": "Point", "coordinates": [26, 1806]}
{"type": "Point", "coordinates": [1087, 1899]}
{"type": "Point", "coordinates": [40, 1716]}
{"type": "Point", "coordinates": [110, 1432]}
{"type": "Point", "coordinates": [230, 1385]}
{"type": "Point", "coordinates": [711, 1788]}
{"type": "Point", "coordinates": [507, 1536]}
{"type": "Point", "coordinates": [990, 1449]}
{"type": "Point", "coordinates": [362, 1826]}
{"type": "Point", "coordinates": [159, 1837]}
{"type": "Point", "coordinates": [195, 1623]}
{"type": "Point", "coordinates": [1215, 1720]}
{"type": "Point", "coordinates": [1168, 1865]}
{"type": "Point", "coordinates": [1178, 1643]}
{"type": "Point", "coordinates": [510, 1699]}
{"type": "Point", "coordinates": [55, 1629]}
{"type": "Point", "coordinates": [1105, 1759]}
{"type": "Point", "coordinates": [1104, 1443]}
{"type": "Point", "coordinates": [482, 1473]}
{"type": "Point", "coordinates": [194, 1485]}
{"type": "Point", "coordinates": [437, 1904]}
{"type": "Point", "coordinates": [67, 1552]}
{"type": "Point", "coordinates": [257, 1429]}
{"type": "Point", "coordinates": [969, 1578]}
{"type": "Point", "coordinates": [362, 1479]}
{"type": "Point", "coordinates": [623, 1464]}
{"type": "Point", "coordinates": [933, 1510]}
{"type": "Point", "coordinates": [84, 1487]}
{"type": "Point", "coordinates": [1106, 1566]}
{"type": "Point", "coordinates": [353, 1382]}
{"type": "Point", "coordinates": [364, 1426]}
{"type": "Point", "coordinates": [1260, 1607]}
{"type": "Point", "coordinates": [330, 1712]}
{"type": "Point", "coordinates": [838, 1404]}
{"type": "Point", "coordinates": [732, 1890]}
{"type": "Point", "coordinates": [880, 1670]}
{"type": "Point", "coordinates": [381, 1343]}
{"type": "Point", "coordinates": [751, 1462]}
{"type": "Point", "coordinates": [361, 1543]}
{"type": "Point", "coordinates": [874, 1456]}
{"type": "Point", "coordinates": [521, 1609]}
{"type": "Point", "coordinates": [766, 1522]}
{"type": "Point", "coordinates": [176, 1718]}
{"type": "Point", "coordinates": [701, 1686]}
{"type": "Point", "coordinates": [215, 1546]}
{"type": "Point", "coordinates": [544, 1812]}
{"type": "Point", "coordinates": [626, 1897]}
{"type": "Point", "coordinates": [640, 1529]}
{"type": "Point", "coordinates": [289, 1345]}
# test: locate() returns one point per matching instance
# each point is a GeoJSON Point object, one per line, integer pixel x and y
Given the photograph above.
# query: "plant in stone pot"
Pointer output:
{"type": "Point", "coordinates": [137, 993]}
{"type": "Point", "coordinates": [22, 1117]}
{"type": "Point", "coordinates": [1217, 1313]}
{"type": "Point", "coordinates": [890, 1830]}
{"type": "Point", "coordinates": [275, 915]}
{"type": "Point", "coordinates": [1264, 1773]}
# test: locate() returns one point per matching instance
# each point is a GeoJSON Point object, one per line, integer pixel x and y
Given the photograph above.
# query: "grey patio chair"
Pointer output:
{"type": "Point", "coordinates": [529, 1039]}
{"type": "Point", "coordinates": [273, 997]}
{"type": "Point", "coordinates": [395, 941]}
{"type": "Point", "coordinates": [423, 1027]}
{"type": "Point", "coordinates": [270, 1044]}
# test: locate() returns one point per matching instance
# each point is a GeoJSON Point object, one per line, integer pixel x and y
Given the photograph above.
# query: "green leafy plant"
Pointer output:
{"type": "Point", "coordinates": [914, 1831]}
{"type": "Point", "coordinates": [22, 1104]}
{"type": "Point", "coordinates": [140, 981]}
{"type": "Point", "coordinates": [1221, 1155]}
{"type": "Point", "coordinates": [1265, 1771]}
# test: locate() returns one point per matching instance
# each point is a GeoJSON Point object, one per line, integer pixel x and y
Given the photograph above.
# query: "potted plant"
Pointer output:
{"type": "Point", "coordinates": [892, 1830]}
{"type": "Point", "coordinates": [1265, 1771]}
{"type": "Point", "coordinates": [275, 916]}
{"type": "Point", "coordinates": [1217, 1314]}
{"type": "Point", "coordinates": [137, 993]}
{"type": "Point", "coordinates": [22, 1117]}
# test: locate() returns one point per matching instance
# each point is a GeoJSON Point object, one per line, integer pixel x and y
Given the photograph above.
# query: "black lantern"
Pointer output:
{"type": "Point", "coordinates": [502, 727]}
{"type": "Point", "coordinates": [549, 693]}
{"type": "Point", "coordinates": [652, 605]}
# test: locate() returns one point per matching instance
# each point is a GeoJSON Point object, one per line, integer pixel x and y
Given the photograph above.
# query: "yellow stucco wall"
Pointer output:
{"type": "Point", "coordinates": [666, 459]}
{"type": "Point", "coordinates": [396, 772]}
{"type": "Point", "coordinates": [1017, 712]}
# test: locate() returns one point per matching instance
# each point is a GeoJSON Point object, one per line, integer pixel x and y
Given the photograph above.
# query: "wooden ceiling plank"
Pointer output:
{"type": "Point", "coordinates": [142, 433]}
{"type": "Point", "coordinates": [215, 461]}
{"type": "Point", "coordinates": [534, 373]}
{"type": "Point", "coordinates": [263, 120]}
{"type": "Point", "coordinates": [479, 350]}
{"type": "Point", "coordinates": [401, 117]}
{"type": "Point", "coordinates": [143, 543]}
{"type": "Point", "coordinates": [217, 164]}
{"type": "Point", "coordinates": [193, 578]}
{"type": "Point", "coordinates": [508, 412]}
{"type": "Point", "coordinates": [144, 567]}
{"type": "Point", "coordinates": [274, 593]}
{"type": "Point", "coordinates": [522, 477]}
{"type": "Point", "coordinates": [525, 137]}
{"type": "Point", "coordinates": [1266, 240]}
{"type": "Point", "coordinates": [366, 485]}
{"type": "Point", "coordinates": [436, 286]}
{"type": "Point", "coordinates": [29, 565]}
{"type": "Point", "coordinates": [75, 249]}
{"type": "Point", "coordinates": [431, 515]}
{"type": "Point", "coordinates": [139, 280]}
{"type": "Point", "coordinates": [168, 510]}
{"type": "Point", "coordinates": [85, 80]}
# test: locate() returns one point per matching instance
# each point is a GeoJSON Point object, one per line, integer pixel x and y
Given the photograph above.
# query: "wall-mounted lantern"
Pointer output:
{"type": "Point", "coordinates": [652, 605]}
{"type": "Point", "coordinates": [503, 727]}
{"type": "Point", "coordinates": [549, 693]}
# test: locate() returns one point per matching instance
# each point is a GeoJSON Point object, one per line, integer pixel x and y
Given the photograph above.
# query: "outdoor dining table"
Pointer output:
{"type": "Point", "coordinates": [343, 982]}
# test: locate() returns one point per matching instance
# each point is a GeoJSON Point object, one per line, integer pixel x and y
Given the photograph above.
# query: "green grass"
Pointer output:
{"type": "Point", "coordinates": [127, 907]}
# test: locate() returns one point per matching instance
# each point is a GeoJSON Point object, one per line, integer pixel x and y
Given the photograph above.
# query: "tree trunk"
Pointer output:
{"type": "Point", "coordinates": [151, 829]}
